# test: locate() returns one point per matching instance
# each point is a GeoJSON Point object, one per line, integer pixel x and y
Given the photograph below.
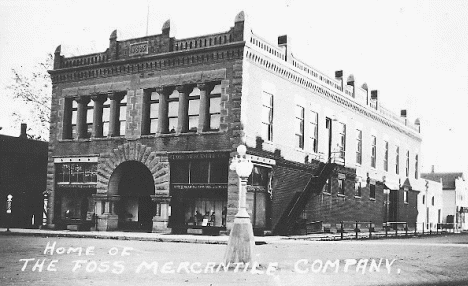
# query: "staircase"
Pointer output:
{"type": "Point", "coordinates": [288, 220]}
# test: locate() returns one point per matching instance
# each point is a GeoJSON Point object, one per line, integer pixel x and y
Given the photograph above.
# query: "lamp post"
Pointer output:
{"type": "Point", "coordinates": [8, 211]}
{"type": "Point", "coordinates": [387, 194]}
{"type": "Point", "coordinates": [241, 240]}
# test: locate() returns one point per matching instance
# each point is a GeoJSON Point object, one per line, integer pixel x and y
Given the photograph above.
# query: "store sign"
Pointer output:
{"type": "Point", "coordinates": [192, 156]}
{"type": "Point", "coordinates": [77, 186]}
{"type": "Point", "coordinates": [199, 186]}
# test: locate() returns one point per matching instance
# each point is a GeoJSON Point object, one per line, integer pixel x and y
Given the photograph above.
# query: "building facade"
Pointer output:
{"type": "Point", "coordinates": [454, 196]}
{"type": "Point", "coordinates": [143, 133]}
{"type": "Point", "coordinates": [23, 169]}
{"type": "Point", "coordinates": [430, 205]}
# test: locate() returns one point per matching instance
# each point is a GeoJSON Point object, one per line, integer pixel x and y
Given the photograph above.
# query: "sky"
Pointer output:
{"type": "Point", "coordinates": [414, 52]}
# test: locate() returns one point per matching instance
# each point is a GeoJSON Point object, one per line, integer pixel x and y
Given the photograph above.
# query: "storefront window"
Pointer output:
{"type": "Point", "coordinates": [76, 173]}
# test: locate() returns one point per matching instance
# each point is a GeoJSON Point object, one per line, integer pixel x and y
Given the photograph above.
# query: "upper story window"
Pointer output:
{"type": "Point", "coordinates": [432, 200]}
{"type": "Point", "coordinates": [423, 199]}
{"type": "Point", "coordinates": [193, 109]}
{"type": "Point", "coordinates": [385, 161]}
{"type": "Point", "coordinates": [105, 117]}
{"type": "Point", "coordinates": [89, 118]}
{"type": "Point", "coordinates": [373, 151]}
{"type": "Point", "coordinates": [405, 195]}
{"type": "Point", "coordinates": [267, 116]}
{"type": "Point", "coordinates": [154, 112]}
{"type": "Point", "coordinates": [407, 163]}
{"type": "Point", "coordinates": [416, 162]}
{"type": "Point", "coordinates": [314, 131]}
{"type": "Point", "coordinates": [341, 140]}
{"type": "Point", "coordinates": [299, 123]}
{"type": "Point", "coordinates": [215, 107]}
{"type": "Point", "coordinates": [122, 115]}
{"type": "Point", "coordinates": [173, 111]}
{"type": "Point", "coordinates": [397, 160]}
{"type": "Point", "coordinates": [358, 146]}
{"type": "Point", "coordinates": [74, 118]}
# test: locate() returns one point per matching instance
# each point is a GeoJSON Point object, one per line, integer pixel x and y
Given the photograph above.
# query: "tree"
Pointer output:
{"type": "Point", "coordinates": [31, 93]}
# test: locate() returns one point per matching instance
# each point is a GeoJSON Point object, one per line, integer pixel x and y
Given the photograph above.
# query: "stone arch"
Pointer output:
{"type": "Point", "coordinates": [156, 162]}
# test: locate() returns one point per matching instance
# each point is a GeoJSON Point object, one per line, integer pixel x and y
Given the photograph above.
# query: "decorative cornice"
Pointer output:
{"type": "Point", "coordinates": [286, 72]}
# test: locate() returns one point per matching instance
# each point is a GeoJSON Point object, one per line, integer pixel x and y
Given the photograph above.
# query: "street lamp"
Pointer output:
{"type": "Point", "coordinates": [387, 202]}
{"type": "Point", "coordinates": [241, 240]}
{"type": "Point", "coordinates": [8, 211]}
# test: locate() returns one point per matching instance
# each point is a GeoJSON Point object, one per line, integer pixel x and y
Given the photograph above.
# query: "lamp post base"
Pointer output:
{"type": "Point", "coordinates": [241, 242]}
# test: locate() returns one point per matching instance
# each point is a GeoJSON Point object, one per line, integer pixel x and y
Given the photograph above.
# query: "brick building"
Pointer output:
{"type": "Point", "coordinates": [143, 133]}
{"type": "Point", "coordinates": [23, 168]}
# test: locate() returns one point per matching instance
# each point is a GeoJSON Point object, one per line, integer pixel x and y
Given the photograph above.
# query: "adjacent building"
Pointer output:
{"type": "Point", "coordinates": [455, 197]}
{"type": "Point", "coordinates": [23, 169]}
{"type": "Point", "coordinates": [430, 206]}
{"type": "Point", "coordinates": [142, 135]}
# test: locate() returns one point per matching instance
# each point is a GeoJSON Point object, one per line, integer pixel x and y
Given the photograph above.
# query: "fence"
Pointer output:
{"type": "Point", "coordinates": [367, 229]}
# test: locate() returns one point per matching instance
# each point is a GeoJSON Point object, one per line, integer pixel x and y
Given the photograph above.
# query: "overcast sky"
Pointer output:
{"type": "Point", "coordinates": [414, 52]}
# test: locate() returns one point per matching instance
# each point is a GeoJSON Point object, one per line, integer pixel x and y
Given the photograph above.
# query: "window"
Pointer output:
{"type": "Point", "coordinates": [341, 186]}
{"type": "Point", "coordinates": [357, 189]}
{"type": "Point", "coordinates": [74, 119]}
{"type": "Point", "coordinates": [397, 160]}
{"type": "Point", "coordinates": [194, 109]}
{"type": "Point", "coordinates": [405, 195]}
{"type": "Point", "coordinates": [433, 200]}
{"type": "Point", "coordinates": [326, 187]}
{"type": "Point", "coordinates": [373, 151]}
{"type": "Point", "coordinates": [154, 112]}
{"type": "Point", "coordinates": [122, 115]}
{"type": "Point", "coordinates": [173, 111]}
{"type": "Point", "coordinates": [105, 117]}
{"type": "Point", "coordinates": [259, 176]}
{"type": "Point", "coordinates": [267, 116]}
{"type": "Point", "coordinates": [76, 173]}
{"type": "Point", "coordinates": [89, 118]}
{"type": "Point", "coordinates": [215, 107]}
{"type": "Point", "coordinates": [407, 163]}
{"type": "Point", "coordinates": [358, 146]}
{"type": "Point", "coordinates": [416, 159]}
{"type": "Point", "coordinates": [314, 131]}
{"type": "Point", "coordinates": [199, 171]}
{"type": "Point", "coordinates": [372, 191]}
{"type": "Point", "coordinates": [424, 199]}
{"type": "Point", "coordinates": [299, 127]}
{"type": "Point", "coordinates": [341, 140]}
{"type": "Point", "coordinates": [385, 162]}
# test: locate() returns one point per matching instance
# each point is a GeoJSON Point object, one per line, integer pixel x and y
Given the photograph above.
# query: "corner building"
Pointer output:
{"type": "Point", "coordinates": [143, 133]}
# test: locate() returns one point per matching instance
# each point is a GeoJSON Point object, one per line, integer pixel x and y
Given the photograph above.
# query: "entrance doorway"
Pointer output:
{"type": "Point", "coordinates": [133, 182]}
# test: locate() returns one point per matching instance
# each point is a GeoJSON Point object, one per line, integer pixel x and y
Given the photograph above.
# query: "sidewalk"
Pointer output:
{"type": "Point", "coordinates": [190, 238]}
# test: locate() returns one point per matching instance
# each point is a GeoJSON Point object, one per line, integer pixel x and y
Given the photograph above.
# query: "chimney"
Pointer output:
{"type": "Point", "coordinates": [285, 42]}
{"type": "Point", "coordinates": [403, 115]}
{"type": "Point", "coordinates": [339, 76]}
{"type": "Point", "coordinates": [417, 123]}
{"type": "Point", "coordinates": [366, 88]}
{"type": "Point", "coordinates": [375, 98]}
{"type": "Point", "coordinates": [350, 82]}
{"type": "Point", "coordinates": [432, 169]}
{"type": "Point", "coordinates": [23, 134]}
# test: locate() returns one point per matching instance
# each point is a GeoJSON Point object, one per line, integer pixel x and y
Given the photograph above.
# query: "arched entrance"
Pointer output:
{"type": "Point", "coordinates": [133, 183]}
